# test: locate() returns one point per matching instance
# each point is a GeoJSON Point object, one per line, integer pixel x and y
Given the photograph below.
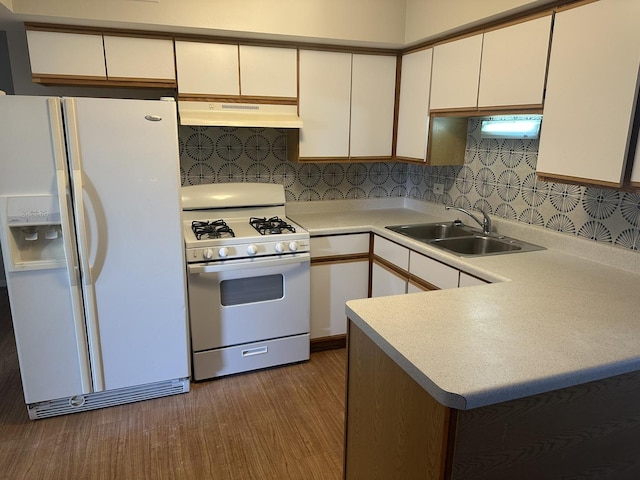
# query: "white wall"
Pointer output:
{"type": "Point", "coordinates": [372, 22]}
{"type": "Point", "coordinates": [428, 19]}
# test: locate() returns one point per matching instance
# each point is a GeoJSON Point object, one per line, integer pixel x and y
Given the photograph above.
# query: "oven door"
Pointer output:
{"type": "Point", "coordinates": [248, 300]}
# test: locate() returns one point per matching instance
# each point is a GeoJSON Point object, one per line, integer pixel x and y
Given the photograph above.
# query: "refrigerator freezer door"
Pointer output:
{"type": "Point", "coordinates": [128, 216]}
{"type": "Point", "coordinates": [45, 307]}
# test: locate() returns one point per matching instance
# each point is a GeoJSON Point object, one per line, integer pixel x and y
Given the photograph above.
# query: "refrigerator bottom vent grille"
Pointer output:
{"type": "Point", "coordinates": [109, 398]}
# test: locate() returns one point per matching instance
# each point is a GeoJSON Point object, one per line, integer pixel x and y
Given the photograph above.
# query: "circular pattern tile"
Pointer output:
{"type": "Point", "coordinates": [595, 230]}
{"type": "Point", "coordinates": [284, 174]}
{"type": "Point", "coordinates": [630, 208]}
{"type": "Point", "coordinates": [485, 182]}
{"type": "Point", "coordinates": [309, 175]}
{"type": "Point", "coordinates": [508, 186]}
{"type": "Point", "coordinates": [333, 174]}
{"type": "Point", "coordinates": [257, 148]}
{"type": "Point", "coordinates": [563, 197]}
{"type": "Point", "coordinates": [379, 173]}
{"type": "Point", "coordinates": [356, 173]}
{"type": "Point", "coordinates": [629, 238]}
{"type": "Point", "coordinates": [561, 223]}
{"type": "Point", "coordinates": [199, 146]}
{"type": "Point", "coordinates": [600, 203]}
{"type": "Point", "coordinates": [229, 147]}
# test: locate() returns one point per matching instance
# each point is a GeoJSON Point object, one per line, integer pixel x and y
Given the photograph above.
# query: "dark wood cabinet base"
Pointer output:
{"type": "Point", "coordinates": [396, 430]}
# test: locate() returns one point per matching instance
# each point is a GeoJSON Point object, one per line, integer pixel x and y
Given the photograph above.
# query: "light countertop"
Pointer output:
{"type": "Point", "coordinates": [553, 319]}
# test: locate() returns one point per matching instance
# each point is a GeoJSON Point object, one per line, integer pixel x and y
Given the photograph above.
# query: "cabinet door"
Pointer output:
{"type": "Point", "coordinates": [591, 89]}
{"type": "Point", "coordinates": [504, 82]}
{"type": "Point", "coordinates": [373, 90]}
{"type": "Point", "coordinates": [413, 113]}
{"type": "Point", "coordinates": [386, 282]}
{"type": "Point", "coordinates": [268, 71]}
{"type": "Point", "coordinates": [456, 73]}
{"type": "Point", "coordinates": [325, 99]}
{"type": "Point", "coordinates": [70, 54]}
{"type": "Point", "coordinates": [139, 58]}
{"type": "Point", "coordinates": [333, 245]}
{"type": "Point", "coordinates": [391, 252]}
{"type": "Point", "coordinates": [433, 272]}
{"type": "Point", "coordinates": [207, 68]}
{"type": "Point", "coordinates": [332, 285]}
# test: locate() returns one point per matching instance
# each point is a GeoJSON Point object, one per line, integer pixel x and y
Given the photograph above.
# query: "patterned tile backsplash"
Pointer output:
{"type": "Point", "coordinates": [498, 176]}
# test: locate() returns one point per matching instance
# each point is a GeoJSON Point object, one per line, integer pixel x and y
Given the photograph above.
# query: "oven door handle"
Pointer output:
{"type": "Point", "coordinates": [249, 263]}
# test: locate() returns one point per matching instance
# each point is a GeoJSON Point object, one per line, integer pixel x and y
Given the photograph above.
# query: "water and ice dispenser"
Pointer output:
{"type": "Point", "coordinates": [32, 232]}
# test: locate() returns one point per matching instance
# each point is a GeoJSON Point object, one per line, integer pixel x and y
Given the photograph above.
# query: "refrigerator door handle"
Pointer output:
{"type": "Point", "coordinates": [91, 316]}
{"type": "Point", "coordinates": [68, 237]}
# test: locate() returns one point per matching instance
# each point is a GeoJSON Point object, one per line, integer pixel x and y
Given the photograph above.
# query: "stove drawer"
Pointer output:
{"type": "Point", "coordinates": [251, 356]}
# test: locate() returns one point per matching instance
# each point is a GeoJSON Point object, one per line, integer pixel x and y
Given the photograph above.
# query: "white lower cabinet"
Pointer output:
{"type": "Point", "coordinates": [390, 267]}
{"type": "Point", "coordinates": [433, 274]}
{"type": "Point", "coordinates": [385, 281]}
{"type": "Point", "coordinates": [397, 270]}
{"type": "Point", "coordinates": [332, 285]}
{"type": "Point", "coordinates": [339, 273]}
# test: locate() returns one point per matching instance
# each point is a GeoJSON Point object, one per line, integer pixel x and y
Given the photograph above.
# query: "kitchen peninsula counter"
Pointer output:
{"type": "Point", "coordinates": [555, 325]}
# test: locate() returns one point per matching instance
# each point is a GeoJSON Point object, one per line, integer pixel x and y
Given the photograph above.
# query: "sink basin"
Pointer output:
{"type": "Point", "coordinates": [484, 245]}
{"type": "Point", "coordinates": [462, 240]}
{"type": "Point", "coordinates": [432, 231]}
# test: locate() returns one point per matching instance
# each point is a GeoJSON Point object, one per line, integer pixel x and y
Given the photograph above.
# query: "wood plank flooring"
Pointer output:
{"type": "Point", "coordinates": [282, 423]}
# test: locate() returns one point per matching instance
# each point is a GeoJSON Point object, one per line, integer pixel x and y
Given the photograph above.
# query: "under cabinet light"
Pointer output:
{"type": "Point", "coordinates": [515, 126]}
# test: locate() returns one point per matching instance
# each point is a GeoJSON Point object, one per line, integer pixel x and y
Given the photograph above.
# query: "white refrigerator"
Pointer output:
{"type": "Point", "coordinates": [90, 228]}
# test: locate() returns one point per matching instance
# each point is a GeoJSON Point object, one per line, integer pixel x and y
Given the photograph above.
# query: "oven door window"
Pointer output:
{"type": "Point", "coordinates": [251, 290]}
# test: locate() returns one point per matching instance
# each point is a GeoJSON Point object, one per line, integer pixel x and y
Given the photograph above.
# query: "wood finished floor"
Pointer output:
{"type": "Point", "coordinates": [282, 423]}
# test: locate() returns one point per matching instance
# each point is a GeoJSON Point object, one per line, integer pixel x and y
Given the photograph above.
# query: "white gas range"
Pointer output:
{"type": "Point", "coordinates": [247, 276]}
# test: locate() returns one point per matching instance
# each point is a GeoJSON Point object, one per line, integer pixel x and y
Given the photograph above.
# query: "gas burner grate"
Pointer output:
{"type": "Point", "coordinates": [212, 229]}
{"type": "Point", "coordinates": [271, 226]}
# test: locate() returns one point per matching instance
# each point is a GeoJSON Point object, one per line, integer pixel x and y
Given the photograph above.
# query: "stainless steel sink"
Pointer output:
{"type": "Point", "coordinates": [432, 231]}
{"type": "Point", "coordinates": [463, 240]}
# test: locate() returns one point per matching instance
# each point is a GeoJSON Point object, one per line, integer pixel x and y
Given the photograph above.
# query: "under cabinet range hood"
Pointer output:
{"type": "Point", "coordinates": [220, 114]}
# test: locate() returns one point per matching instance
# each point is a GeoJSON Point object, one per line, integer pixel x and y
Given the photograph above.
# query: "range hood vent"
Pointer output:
{"type": "Point", "coordinates": [218, 114]}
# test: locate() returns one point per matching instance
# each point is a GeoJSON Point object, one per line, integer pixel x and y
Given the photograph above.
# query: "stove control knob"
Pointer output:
{"type": "Point", "coordinates": [223, 252]}
{"type": "Point", "coordinates": [279, 247]}
{"type": "Point", "coordinates": [207, 254]}
{"type": "Point", "coordinates": [252, 249]}
{"type": "Point", "coordinates": [293, 246]}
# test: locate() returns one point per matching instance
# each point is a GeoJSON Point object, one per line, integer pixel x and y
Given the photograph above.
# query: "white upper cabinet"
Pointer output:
{"type": "Point", "coordinates": [325, 103]}
{"type": "Point", "coordinates": [217, 69]}
{"type": "Point", "coordinates": [373, 86]}
{"type": "Point", "coordinates": [268, 71]}
{"type": "Point", "coordinates": [591, 90]}
{"type": "Point", "coordinates": [139, 58]}
{"type": "Point", "coordinates": [413, 114]}
{"type": "Point", "coordinates": [69, 54]}
{"type": "Point", "coordinates": [207, 68]}
{"type": "Point", "coordinates": [346, 104]}
{"type": "Point", "coordinates": [456, 73]}
{"type": "Point", "coordinates": [514, 64]}
{"type": "Point", "coordinates": [86, 58]}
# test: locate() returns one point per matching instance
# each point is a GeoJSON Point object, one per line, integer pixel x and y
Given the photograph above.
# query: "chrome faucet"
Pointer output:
{"type": "Point", "coordinates": [485, 223]}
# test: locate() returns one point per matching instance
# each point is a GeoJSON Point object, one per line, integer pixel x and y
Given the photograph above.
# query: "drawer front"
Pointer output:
{"type": "Point", "coordinates": [250, 356]}
{"type": "Point", "coordinates": [430, 270]}
{"type": "Point", "coordinates": [392, 252]}
{"type": "Point", "coordinates": [330, 245]}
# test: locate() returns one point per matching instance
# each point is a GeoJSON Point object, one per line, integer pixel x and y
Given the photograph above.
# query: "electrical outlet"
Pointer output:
{"type": "Point", "coordinates": [438, 188]}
